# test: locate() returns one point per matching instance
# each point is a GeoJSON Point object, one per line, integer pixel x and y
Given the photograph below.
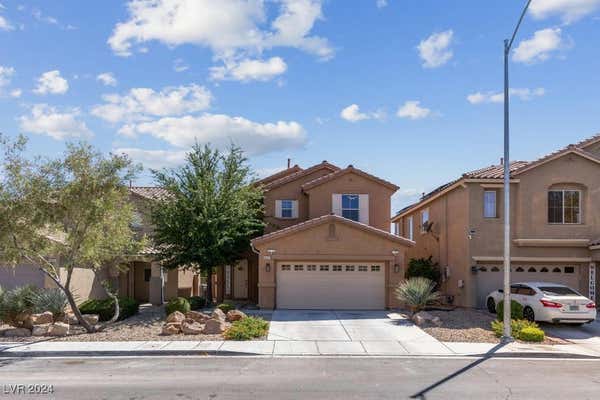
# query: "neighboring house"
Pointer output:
{"type": "Point", "coordinates": [140, 277]}
{"type": "Point", "coordinates": [326, 245]}
{"type": "Point", "coordinates": [555, 225]}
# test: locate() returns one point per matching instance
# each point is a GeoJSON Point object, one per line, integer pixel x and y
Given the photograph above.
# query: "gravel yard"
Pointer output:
{"type": "Point", "coordinates": [147, 325]}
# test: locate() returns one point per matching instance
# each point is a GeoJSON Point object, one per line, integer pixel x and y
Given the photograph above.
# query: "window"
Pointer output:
{"type": "Point", "coordinates": [531, 269]}
{"type": "Point", "coordinates": [363, 268]}
{"type": "Point", "coordinates": [349, 268]}
{"type": "Point", "coordinates": [311, 267]}
{"type": "Point", "coordinates": [286, 267]}
{"type": "Point", "coordinates": [298, 267]}
{"type": "Point", "coordinates": [564, 207]}
{"type": "Point", "coordinates": [544, 269]}
{"type": "Point", "coordinates": [489, 204]}
{"type": "Point", "coordinates": [147, 274]}
{"type": "Point", "coordinates": [337, 268]}
{"type": "Point", "coordinates": [558, 291]}
{"type": "Point", "coordinates": [556, 269]}
{"type": "Point", "coordinates": [350, 208]}
{"type": "Point", "coordinates": [375, 268]}
{"type": "Point", "coordinates": [519, 269]}
{"type": "Point", "coordinates": [569, 270]}
{"type": "Point", "coordinates": [324, 268]}
{"type": "Point", "coordinates": [396, 228]}
{"type": "Point", "coordinates": [410, 228]}
{"type": "Point", "coordinates": [424, 219]}
{"type": "Point", "coordinates": [287, 208]}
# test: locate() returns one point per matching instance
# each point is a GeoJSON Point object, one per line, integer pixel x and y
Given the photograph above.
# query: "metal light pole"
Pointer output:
{"type": "Point", "coordinates": [507, 336]}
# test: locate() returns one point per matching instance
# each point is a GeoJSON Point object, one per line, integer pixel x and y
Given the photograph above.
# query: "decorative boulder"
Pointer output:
{"type": "Point", "coordinates": [176, 316]}
{"type": "Point", "coordinates": [423, 318]}
{"type": "Point", "coordinates": [71, 319]}
{"type": "Point", "coordinates": [19, 332]}
{"type": "Point", "coordinates": [58, 329]}
{"type": "Point", "coordinates": [218, 314]}
{"type": "Point", "coordinates": [91, 319]}
{"type": "Point", "coordinates": [23, 320]}
{"type": "Point", "coordinates": [235, 315]}
{"type": "Point", "coordinates": [42, 319]}
{"type": "Point", "coordinates": [191, 327]}
{"type": "Point", "coordinates": [214, 326]}
{"type": "Point", "coordinates": [40, 330]}
{"type": "Point", "coordinates": [197, 316]}
{"type": "Point", "coordinates": [171, 329]}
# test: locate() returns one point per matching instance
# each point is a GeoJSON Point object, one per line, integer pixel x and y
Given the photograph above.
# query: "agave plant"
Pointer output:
{"type": "Point", "coordinates": [53, 300]}
{"type": "Point", "coordinates": [417, 293]}
{"type": "Point", "coordinates": [15, 304]}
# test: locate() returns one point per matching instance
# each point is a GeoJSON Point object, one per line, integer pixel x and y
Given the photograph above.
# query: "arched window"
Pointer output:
{"type": "Point", "coordinates": [483, 269]}
{"type": "Point", "coordinates": [531, 269]}
{"type": "Point", "coordinates": [556, 270]}
{"type": "Point", "coordinates": [519, 269]}
{"type": "Point", "coordinates": [544, 269]}
{"type": "Point", "coordinates": [495, 269]}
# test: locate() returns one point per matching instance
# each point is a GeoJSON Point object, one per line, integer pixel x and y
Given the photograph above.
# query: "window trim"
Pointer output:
{"type": "Point", "coordinates": [495, 192]}
{"type": "Point", "coordinates": [562, 191]}
{"type": "Point", "coordinates": [357, 209]}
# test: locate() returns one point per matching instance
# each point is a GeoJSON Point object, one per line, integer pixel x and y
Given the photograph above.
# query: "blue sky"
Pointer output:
{"type": "Point", "coordinates": [404, 89]}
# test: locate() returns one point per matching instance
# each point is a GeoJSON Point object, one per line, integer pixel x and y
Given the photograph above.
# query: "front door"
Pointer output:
{"type": "Point", "coordinates": [240, 280]}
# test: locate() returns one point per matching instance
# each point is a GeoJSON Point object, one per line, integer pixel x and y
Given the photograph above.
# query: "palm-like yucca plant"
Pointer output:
{"type": "Point", "coordinates": [52, 299]}
{"type": "Point", "coordinates": [417, 293]}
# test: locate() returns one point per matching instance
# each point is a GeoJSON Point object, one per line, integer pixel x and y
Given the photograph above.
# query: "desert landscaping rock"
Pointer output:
{"type": "Point", "coordinates": [218, 314]}
{"type": "Point", "coordinates": [41, 319]}
{"type": "Point", "coordinates": [58, 329]}
{"type": "Point", "coordinates": [40, 330]}
{"type": "Point", "coordinates": [171, 329]}
{"type": "Point", "coordinates": [235, 315]}
{"type": "Point", "coordinates": [191, 327]}
{"type": "Point", "coordinates": [197, 316]}
{"type": "Point", "coordinates": [214, 326]}
{"type": "Point", "coordinates": [91, 319]}
{"type": "Point", "coordinates": [424, 318]}
{"type": "Point", "coordinates": [17, 332]}
{"type": "Point", "coordinates": [176, 316]}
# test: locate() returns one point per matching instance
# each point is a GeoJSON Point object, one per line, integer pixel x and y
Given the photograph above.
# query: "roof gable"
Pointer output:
{"type": "Point", "coordinates": [556, 155]}
{"type": "Point", "coordinates": [348, 170]}
{"type": "Point", "coordinates": [297, 175]}
{"type": "Point", "coordinates": [278, 175]}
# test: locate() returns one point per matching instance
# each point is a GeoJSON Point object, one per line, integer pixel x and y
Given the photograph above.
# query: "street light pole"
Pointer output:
{"type": "Point", "coordinates": [507, 334]}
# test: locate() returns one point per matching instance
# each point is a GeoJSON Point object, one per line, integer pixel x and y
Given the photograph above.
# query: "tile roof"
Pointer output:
{"type": "Point", "coordinates": [494, 171]}
{"type": "Point", "coordinates": [331, 218]}
{"type": "Point", "coordinates": [299, 174]}
{"type": "Point", "coordinates": [341, 172]}
{"type": "Point", "coordinates": [278, 175]}
{"type": "Point", "coordinates": [150, 192]}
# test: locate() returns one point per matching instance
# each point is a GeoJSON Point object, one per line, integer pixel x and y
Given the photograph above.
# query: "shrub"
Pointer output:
{"type": "Point", "coordinates": [15, 303]}
{"type": "Point", "coordinates": [423, 267]}
{"type": "Point", "coordinates": [106, 308]}
{"type": "Point", "coordinates": [518, 326]}
{"type": "Point", "coordinates": [246, 329]}
{"type": "Point", "coordinates": [226, 307]}
{"type": "Point", "coordinates": [516, 310]}
{"type": "Point", "coordinates": [53, 300]}
{"type": "Point", "coordinates": [197, 302]}
{"type": "Point", "coordinates": [177, 304]}
{"type": "Point", "coordinates": [417, 293]}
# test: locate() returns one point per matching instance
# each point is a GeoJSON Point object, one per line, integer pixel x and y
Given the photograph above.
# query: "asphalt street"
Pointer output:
{"type": "Point", "coordinates": [296, 378]}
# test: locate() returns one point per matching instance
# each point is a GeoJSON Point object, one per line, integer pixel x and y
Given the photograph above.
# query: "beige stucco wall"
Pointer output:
{"type": "Point", "coordinates": [348, 244]}
{"type": "Point", "coordinates": [320, 198]}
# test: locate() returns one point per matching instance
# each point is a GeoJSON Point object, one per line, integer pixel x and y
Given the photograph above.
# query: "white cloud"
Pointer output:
{"type": "Point", "coordinates": [249, 70]}
{"type": "Point", "coordinates": [37, 14]}
{"type": "Point", "coordinates": [154, 159]}
{"type": "Point", "coordinates": [179, 65]}
{"type": "Point", "coordinates": [352, 113]}
{"type": "Point", "coordinates": [107, 79]}
{"type": "Point", "coordinates": [568, 10]}
{"type": "Point", "coordinates": [6, 74]}
{"type": "Point", "coordinates": [144, 103]}
{"type": "Point", "coordinates": [51, 82]}
{"type": "Point", "coordinates": [435, 50]}
{"type": "Point", "coordinates": [381, 3]}
{"type": "Point", "coordinates": [59, 125]}
{"type": "Point", "coordinates": [5, 25]}
{"type": "Point", "coordinates": [16, 93]}
{"type": "Point", "coordinates": [220, 130]}
{"type": "Point", "coordinates": [539, 47]}
{"type": "Point", "coordinates": [412, 110]}
{"type": "Point", "coordinates": [524, 94]}
{"type": "Point", "coordinates": [227, 27]}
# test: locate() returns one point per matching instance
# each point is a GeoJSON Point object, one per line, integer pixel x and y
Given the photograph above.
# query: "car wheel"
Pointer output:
{"type": "Point", "coordinates": [491, 305]}
{"type": "Point", "coordinates": [528, 314]}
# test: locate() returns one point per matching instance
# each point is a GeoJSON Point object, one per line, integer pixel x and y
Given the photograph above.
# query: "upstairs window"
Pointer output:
{"type": "Point", "coordinates": [410, 228]}
{"type": "Point", "coordinates": [489, 204]}
{"type": "Point", "coordinates": [287, 208]}
{"type": "Point", "coordinates": [424, 219]}
{"type": "Point", "coordinates": [350, 207]}
{"type": "Point", "coordinates": [564, 207]}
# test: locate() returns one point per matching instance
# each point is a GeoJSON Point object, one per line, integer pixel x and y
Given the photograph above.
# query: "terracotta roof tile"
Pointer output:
{"type": "Point", "coordinates": [350, 168]}
{"type": "Point", "coordinates": [299, 174]}
{"type": "Point", "coordinates": [494, 171]}
{"type": "Point", "coordinates": [278, 175]}
{"type": "Point", "coordinates": [150, 192]}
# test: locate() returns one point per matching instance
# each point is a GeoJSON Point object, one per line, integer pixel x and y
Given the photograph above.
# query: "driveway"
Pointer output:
{"type": "Point", "coordinates": [587, 335]}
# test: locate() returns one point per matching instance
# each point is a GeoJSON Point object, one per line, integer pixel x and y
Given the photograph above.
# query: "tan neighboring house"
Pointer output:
{"type": "Point", "coordinates": [327, 243]}
{"type": "Point", "coordinates": [555, 225]}
{"type": "Point", "coordinates": [141, 277]}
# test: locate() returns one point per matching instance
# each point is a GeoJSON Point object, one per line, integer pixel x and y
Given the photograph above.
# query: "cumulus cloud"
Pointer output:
{"type": "Point", "coordinates": [16, 93]}
{"type": "Point", "coordinates": [107, 79]}
{"type": "Point", "coordinates": [569, 10]}
{"type": "Point", "coordinates": [6, 74]}
{"type": "Point", "coordinates": [540, 47]}
{"type": "Point", "coordinates": [524, 94]}
{"type": "Point", "coordinates": [59, 125]}
{"type": "Point", "coordinates": [435, 50]}
{"type": "Point", "coordinates": [221, 130]}
{"type": "Point", "coordinates": [144, 103]}
{"type": "Point", "coordinates": [179, 65]}
{"type": "Point", "coordinates": [51, 83]}
{"type": "Point", "coordinates": [249, 70]}
{"type": "Point", "coordinates": [154, 159]}
{"type": "Point", "coordinates": [5, 25]}
{"type": "Point", "coordinates": [227, 27]}
{"type": "Point", "coordinates": [352, 113]}
{"type": "Point", "coordinates": [412, 110]}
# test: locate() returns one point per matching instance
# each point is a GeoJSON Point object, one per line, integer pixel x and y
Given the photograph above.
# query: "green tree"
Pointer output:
{"type": "Point", "coordinates": [211, 214]}
{"type": "Point", "coordinates": [65, 213]}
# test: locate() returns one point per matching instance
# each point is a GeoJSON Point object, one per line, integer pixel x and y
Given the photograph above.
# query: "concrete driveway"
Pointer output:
{"type": "Point", "coordinates": [341, 326]}
{"type": "Point", "coordinates": [587, 335]}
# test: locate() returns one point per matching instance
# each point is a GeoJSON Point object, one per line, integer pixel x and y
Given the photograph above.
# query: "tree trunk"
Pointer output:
{"type": "Point", "coordinates": [115, 316]}
{"type": "Point", "coordinates": [209, 287]}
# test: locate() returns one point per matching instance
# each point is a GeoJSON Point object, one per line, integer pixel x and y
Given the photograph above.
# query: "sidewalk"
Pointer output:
{"type": "Point", "coordinates": [279, 348]}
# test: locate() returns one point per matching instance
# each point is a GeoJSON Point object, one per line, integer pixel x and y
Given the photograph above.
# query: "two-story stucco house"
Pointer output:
{"type": "Point", "coordinates": [555, 225]}
{"type": "Point", "coordinates": [327, 244]}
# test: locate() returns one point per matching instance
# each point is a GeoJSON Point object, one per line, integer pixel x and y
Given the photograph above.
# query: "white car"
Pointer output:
{"type": "Point", "coordinates": [547, 302]}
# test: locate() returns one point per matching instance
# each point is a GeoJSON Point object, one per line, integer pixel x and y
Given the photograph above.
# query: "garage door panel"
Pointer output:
{"type": "Point", "coordinates": [350, 288]}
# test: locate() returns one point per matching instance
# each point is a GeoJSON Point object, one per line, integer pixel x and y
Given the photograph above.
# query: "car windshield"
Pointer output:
{"type": "Point", "coordinates": [558, 291]}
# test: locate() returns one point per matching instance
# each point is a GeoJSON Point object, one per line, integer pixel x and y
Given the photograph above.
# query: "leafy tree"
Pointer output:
{"type": "Point", "coordinates": [65, 213]}
{"type": "Point", "coordinates": [424, 267]}
{"type": "Point", "coordinates": [211, 213]}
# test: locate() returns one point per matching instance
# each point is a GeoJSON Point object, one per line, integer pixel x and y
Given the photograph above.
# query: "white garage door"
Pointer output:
{"type": "Point", "coordinates": [326, 286]}
{"type": "Point", "coordinates": [491, 277]}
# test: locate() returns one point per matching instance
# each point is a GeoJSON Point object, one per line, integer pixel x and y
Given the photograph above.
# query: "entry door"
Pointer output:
{"type": "Point", "coordinates": [331, 285]}
{"type": "Point", "coordinates": [240, 280]}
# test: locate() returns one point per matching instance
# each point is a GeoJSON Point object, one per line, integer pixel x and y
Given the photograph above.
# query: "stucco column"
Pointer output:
{"type": "Point", "coordinates": [155, 291]}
